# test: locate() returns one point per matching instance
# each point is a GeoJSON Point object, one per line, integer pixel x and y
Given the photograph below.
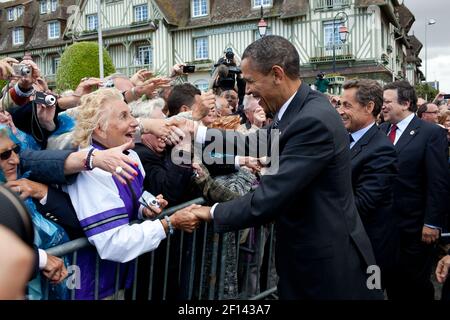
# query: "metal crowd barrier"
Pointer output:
{"type": "Point", "coordinates": [202, 272]}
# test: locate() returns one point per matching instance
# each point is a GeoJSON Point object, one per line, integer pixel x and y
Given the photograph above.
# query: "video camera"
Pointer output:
{"type": "Point", "coordinates": [227, 71]}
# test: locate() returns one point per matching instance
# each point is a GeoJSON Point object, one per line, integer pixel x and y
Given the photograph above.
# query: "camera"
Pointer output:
{"type": "Point", "coordinates": [188, 69]}
{"type": "Point", "coordinates": [21, 70]}
{"type": "Point", "coordinates": [227, 71]}
{"type": "Point", "coordinates": [148, 200]}
{"type": "Point", "coordinates": [446, 96]}
{"type": "Point", "coordinates": [45, 99]}
{"type": "Point", "coordinates": [108, 84]}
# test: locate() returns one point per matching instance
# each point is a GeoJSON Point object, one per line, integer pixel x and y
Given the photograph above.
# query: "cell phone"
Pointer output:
{"type": "Point", "coordinates": [446, 96]}
{"type": "Point", "coordinates": [47, 100]}
{"type": "Point", "coordinates": [21, 70]}
{"type": "Point", "coordinates": [148, 200]}
{"type": "Point", "coordinates": [108, 84]}
{"type": "Point", "coordinates": [188, 69]}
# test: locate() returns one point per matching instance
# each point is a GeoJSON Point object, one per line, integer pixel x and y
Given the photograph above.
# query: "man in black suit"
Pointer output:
{"type": "Point", "coordinates": [420, 190]}
{"type": "Point", "coordinates": [322, 249]}
{"type": "Point", "coordinates": [374, 168]}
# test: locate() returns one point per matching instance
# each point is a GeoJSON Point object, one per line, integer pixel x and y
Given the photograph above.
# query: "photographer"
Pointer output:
{"type": "Point", "coordinates": [322, 83]}
{"type": "Point", "coordinates": [227, 75]}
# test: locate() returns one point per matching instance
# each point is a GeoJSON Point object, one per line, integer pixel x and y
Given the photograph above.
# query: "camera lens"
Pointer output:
{"type": "Point", "coordinates": [24, 71]}
{"type": "Point", "coordinates": [50, 100]}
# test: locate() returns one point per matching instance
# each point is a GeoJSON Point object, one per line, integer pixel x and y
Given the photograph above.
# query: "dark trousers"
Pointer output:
{"type": "Point", "coordinates": [412, 274]}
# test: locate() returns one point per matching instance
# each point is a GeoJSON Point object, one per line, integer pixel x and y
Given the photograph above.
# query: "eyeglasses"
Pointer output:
{"type": "Point", "coordinates": [435, 112]}
{"type": "Point", "coordinates": [7, 154]}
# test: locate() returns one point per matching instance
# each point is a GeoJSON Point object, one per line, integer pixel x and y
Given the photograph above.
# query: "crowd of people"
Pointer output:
{"type": "Point", "coordinates": [362, 179]}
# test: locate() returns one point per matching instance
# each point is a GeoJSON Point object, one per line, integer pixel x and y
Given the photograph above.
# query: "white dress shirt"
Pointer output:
{"type": "Point", "coordinates": [401, 127]}
{"type": "Point", "coordinates": [359, 134]}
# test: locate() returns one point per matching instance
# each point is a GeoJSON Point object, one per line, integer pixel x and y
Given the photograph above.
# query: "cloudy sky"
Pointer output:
{"type": "Point", "coordinates": [438, 41]}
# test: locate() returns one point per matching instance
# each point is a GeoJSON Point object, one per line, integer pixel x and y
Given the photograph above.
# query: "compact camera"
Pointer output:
{"type": "Point", "coordinates": [45, 99]}
{"type": "Point", "coordinates": [21, 70]}
{"type": "Point", "coordinates": [148, 200]}
{"type": "Point", "coordinates": [108, 84]}
{"type": "Point", "coordinates": [188, 69]}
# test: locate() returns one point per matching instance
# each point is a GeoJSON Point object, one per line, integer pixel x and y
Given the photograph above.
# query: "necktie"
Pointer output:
{"type": "Point", "coordinates": [350, 138]}
{"type": "Point", "coordinates": [392, 133]}
{"type": "Point", "coordinates": [275, 124]}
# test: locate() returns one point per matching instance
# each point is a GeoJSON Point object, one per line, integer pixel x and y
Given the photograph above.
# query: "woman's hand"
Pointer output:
{"type": "Point", "coordinates": [153, 212]}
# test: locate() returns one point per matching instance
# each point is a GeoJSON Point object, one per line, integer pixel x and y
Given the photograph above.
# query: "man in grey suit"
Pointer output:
{"type": "Point", "coordinates": [322, 249]}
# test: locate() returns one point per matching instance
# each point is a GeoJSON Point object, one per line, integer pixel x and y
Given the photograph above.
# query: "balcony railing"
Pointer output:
{"type": "Point", "coordinates": [325, 53]}
{"type": "Point", "coordinates": [330, 4]}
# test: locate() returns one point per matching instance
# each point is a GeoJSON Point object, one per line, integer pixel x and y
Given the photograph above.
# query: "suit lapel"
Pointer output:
{"type": "Point", "coordinates": [410, 132]}
{"type": "Point", "coordinates": [365, 139]}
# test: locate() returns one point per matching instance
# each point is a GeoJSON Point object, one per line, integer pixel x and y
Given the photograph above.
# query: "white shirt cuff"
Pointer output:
{"type": "Point", "coordinates": [201, 134]}
{"type": "Point", "coordinates": [211, 211]}
{"type": "Point", "coordinates": [432, 227]}
{"type": "Point", "coordinates": [42, 259]}
{"type": "Point", "coordinates": [237, 166]}
{"type": "Point", "coordinates": [43, 201]}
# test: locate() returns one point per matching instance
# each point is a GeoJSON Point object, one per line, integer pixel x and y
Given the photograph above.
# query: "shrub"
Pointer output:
{"type": "Point", "coordinates": [78, 61]}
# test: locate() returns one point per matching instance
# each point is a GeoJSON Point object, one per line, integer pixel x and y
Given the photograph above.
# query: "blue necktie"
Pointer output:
{"type": "Point", "coordinates": [350, 138]}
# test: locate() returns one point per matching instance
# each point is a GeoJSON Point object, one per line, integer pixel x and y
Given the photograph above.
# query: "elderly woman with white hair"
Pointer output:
{"type": "Point", "coordinates": [105, 206]}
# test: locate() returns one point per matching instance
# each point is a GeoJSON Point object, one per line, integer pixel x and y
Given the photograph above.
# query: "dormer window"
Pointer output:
{"type": "Point", "coordinates": [43, 7]}
{"type": "Point", "coordinates": [54, 30]}
{"type": "Point", "coordinates": [10, 14]}
{"type": "Point", "coordinates": [54, 5]}
{"type": "Point", "coordinates": [199, 8]}
{"type": "Point", "coordinates": [18, 36]}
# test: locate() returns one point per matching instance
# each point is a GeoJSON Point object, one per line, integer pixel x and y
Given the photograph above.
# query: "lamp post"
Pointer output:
{"type": "Point", "coordinates": [430, 22]}
{"type": "Point", "coordinates": [100, 39]}
{"type": "Point", "coordinates": [262, 25]}
{"type": "Point", "coordinates": [343, 33]}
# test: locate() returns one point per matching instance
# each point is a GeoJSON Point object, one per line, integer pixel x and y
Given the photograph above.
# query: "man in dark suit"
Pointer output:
{"type": "Point", "coordinates": [322, 249]}
{"type": "Point", "coordinates": [420, 190]}
{"type": "Point", "coordinates": [374, 168]}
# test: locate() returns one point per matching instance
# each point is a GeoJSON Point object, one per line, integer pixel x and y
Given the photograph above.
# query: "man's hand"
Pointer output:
{"type": "Point", "coordinates": [429, 235]}
{"type": "Point", "coordinates": [27, 188]}
{"type": "Point", "coordinates": [252, 163]}
{"type": "Point", "coordinates": [149, 87]}
{"type": "Point", "coordinates": [200, 110]}
{"type": "Point", "coordinates": [177, 70]}
{"type": "Point", "coordinates": [141, 76]}
{"type": "Point", "coordinates": [203, 213]}
{"type": "Point", "coordinates": [86, 86]}
{"type": "Point", "coordinates": [110, 159]}
{"type": "Point", "coordinates": [184, 219]}
{"type": "Point", "coordinates": [6, 70]}
{"type": "Point", "coordinates": [442, 269]}
{"type": "Point", "coordinates": [55, 270]}
{"type": "Point", "coordinates": [161, 128]}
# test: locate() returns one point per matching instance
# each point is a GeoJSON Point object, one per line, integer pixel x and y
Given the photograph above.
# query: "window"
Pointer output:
{"type": "Point", "coordinates": [144, 55]}
{"type": "Point", "coordinates": [201, 48]}
{"type": "Point", "coordinates": [92, 22]}
{"type": "Point", "coordinates": [18, 36]}
{"type": "Point", "coordinates": [140, 13]}
{"type": "Point", "coordinates": [328, 34]}
{"type": "Point", "coordinates": [10, 14]}
{"type": "Point", "coordinates": [55, 64]}
{"type": "Point", "coordinates": [43, 6]}
{"type": "Point", "coordinates": [54, 5]}
{"type": "Point", "coordinates": [202, 85]}
{"type": "Point", "coordinates": [199, 8]}
{"type": "Point", "coordinates": [264, 3]}
{"type": "Point", "coordinates": [53, 30]}
{"type": "Point", "coordinates": [19, 11]}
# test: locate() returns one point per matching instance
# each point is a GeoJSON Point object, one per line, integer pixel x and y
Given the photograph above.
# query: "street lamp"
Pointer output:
{"type": "Point", "coordinates": [343, 33]}
{"type": "Point", "coordinates": [430, 22]}
{"type": "Point", "coordinates": [262, 25]}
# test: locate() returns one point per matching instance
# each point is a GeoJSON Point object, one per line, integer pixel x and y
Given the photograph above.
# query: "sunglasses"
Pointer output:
{"type": "Point", "coordinates": [7, 154]}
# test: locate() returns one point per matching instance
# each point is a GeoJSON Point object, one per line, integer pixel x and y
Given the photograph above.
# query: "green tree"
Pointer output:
{"type": "Point", "coordinates": [426, 91]}
{"type": "Point", "coordinates": [78, 61]}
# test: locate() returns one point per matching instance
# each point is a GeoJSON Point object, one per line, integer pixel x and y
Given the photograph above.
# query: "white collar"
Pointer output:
{"type": "Point", "coordinates": [359, 134]}
{"type": "Point", "coordinates": [405, 123]}
{"type": "Point", "coordinates": [285, 106]}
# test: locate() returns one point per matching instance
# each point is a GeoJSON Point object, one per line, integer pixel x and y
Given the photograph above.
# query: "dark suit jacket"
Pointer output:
{"type": "Point", "coordinates": [322, 250]}
{"type": "Point", "coordinates": [374, 169]}
{"type": "Point", "coordinates": [162, 176]}
{"type": "Point", "coordinates": [421, 190]}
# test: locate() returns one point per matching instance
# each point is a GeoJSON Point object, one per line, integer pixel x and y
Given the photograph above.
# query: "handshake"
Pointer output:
{"type": "Point", "coordinates": [188, 219]}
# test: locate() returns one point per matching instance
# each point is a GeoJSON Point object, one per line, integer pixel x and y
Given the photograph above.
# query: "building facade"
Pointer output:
{"type": "Point", "coordinates": [156, 34]}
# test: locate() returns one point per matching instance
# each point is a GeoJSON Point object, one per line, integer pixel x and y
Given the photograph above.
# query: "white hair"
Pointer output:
{"type": "Point", "coordinates": [248, 99]}
{"type": "Point", "coordinates": [145, 108]}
